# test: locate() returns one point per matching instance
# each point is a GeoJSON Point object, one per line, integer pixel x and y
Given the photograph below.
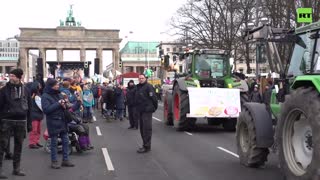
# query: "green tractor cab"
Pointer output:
{"type": "Point", "coordinates": [208, 74]}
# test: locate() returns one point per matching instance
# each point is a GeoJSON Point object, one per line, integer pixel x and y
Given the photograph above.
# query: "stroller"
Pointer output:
{"type": "Point", "coordinates": [73, 142]}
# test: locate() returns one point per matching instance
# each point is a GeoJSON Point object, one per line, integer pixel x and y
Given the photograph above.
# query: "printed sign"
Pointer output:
{"type": "Point", "coordinates": [304, 15]}
{"type": "Point", "coordinates": [214, 102]}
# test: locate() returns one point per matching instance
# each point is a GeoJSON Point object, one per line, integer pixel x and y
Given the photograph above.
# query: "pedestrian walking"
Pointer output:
{"type": "Point", "coordinates": [53, 107]}
{"type": "Point", "coordinates": [131, 90]}
{"type": "Point", "coordinates": [146, 104]}
{"type": "Point", "coordinates": [88, 103]}
{"type": "Point", "coordinates": [119, 97]}
{"type": "Point", "coordinates": [255, 95]}
{"type": "Point", "coordinates": [109, 101]}
{"type": "Point", "coordinates": [15, 106]}
{"type": "Point", "coordinates": [36, 116]}
{"type": "Point", "coordinates": [8, 155]}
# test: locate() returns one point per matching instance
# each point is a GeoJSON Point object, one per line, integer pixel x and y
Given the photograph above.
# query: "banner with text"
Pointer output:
{"type": "Point", "coordinates": [214, 102]}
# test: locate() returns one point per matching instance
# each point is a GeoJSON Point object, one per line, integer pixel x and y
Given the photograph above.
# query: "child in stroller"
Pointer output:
{"type": "Point", "coordinates": [76, 126]}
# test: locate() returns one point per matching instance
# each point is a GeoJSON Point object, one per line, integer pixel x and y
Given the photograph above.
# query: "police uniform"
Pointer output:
{"type": "Point", "coordinates": [146, 104]}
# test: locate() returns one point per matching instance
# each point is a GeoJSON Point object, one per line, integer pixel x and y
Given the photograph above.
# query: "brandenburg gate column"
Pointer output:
{"type": "Point", "coordinates": [99, 55]}
{"type": "Point", "coordinates": [42, 54]}
{"type": "Point", "coordinates": [23, 58]}
{"type": "Point", "coordinates": [59, 54]}
{"type": "Point", "coordinates": [115, 53]}
{"type": "Point", "coordinates": [82, 55]}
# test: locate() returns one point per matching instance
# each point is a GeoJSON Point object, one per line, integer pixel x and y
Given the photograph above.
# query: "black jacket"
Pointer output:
{"type": "Point", "coordinates": [145, 98]}
{"type": "Point", "coordinates": [36, 112]}
{"type": "Point", "coordinates": [15, 108]}
{"type": "Point", "coordinates": [108, 97]}
{"type": "Point", "coordinates": [131, 91]}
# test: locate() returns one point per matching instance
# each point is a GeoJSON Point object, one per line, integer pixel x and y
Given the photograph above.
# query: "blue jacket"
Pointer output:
{"type": "Point", "coordinates": [88, 99]}
{"type": "Point", "coordinates": [119, 96]}
{"type": "Point", "coordinates": [54, 111]}
{"type": "Point", "coordinates": [72, 98]}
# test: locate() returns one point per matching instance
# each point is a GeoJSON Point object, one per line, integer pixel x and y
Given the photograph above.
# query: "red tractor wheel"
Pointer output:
{"type": "Point", "coordinates": [167, 109]}
{"type": "Point", "coordinates": [180, 110]}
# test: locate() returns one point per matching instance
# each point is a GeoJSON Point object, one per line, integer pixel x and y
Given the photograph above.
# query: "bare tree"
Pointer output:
{"type": "Point", "coordinates": [218, 24]}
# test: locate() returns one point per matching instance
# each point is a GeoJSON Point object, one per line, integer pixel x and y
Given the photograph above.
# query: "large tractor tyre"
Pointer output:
{"type": "Point", "coordinates": [167, 110]}
{"type": "Point", "coordinates": [298, 135]}
{"type": "Point", "coordinates": [250, 155]}
{"type": "Point", "coordinates": [243, 98]}
{"type": "Point", "coordinates": [180, 110]}
{"type": "Point", "coordinates": [229, 124]}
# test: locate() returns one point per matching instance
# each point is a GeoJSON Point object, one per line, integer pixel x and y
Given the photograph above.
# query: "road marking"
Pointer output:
{"type": "Point", "coordinates": [188, 133]}
{"type": "Point", "coordinates": [107, 159]}
{"type": "Point", "coordinates": [157, 119]}
{"type": "Point", "coordinates": [94, 118]}
{"type": "Point", "coordinates": [98, 131]}
{"type": "Point", "coordinates": [229, 152]}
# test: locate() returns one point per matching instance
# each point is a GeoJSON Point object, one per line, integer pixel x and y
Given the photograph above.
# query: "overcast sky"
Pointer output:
{"type": "Point", "coordinates": [145, 18]}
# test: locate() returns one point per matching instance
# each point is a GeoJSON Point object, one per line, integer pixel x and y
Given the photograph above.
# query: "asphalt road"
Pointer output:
{"type": "Point", "coordinates": [203, 154]}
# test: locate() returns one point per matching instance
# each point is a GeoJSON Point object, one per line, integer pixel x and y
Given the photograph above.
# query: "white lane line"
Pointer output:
{"type": "Point", "coordinates": [98, 131]}
{"type": "Point", "coordinates": [229, 152]}
{"type": "Point", "coordinates": [107, 159]}
{"type": "Point", "coordinates": [190, 134]}
{"type": "Point", "coordinates": [157, 119]}
{"type": "Point", "coordinates": [94, 118]}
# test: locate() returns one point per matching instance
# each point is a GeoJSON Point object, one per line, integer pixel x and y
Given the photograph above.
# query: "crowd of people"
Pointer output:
{"type": "Point", "coordinates": [67, 106]}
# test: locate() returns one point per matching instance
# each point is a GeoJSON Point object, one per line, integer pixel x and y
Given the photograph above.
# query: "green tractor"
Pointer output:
{"type": "Point", "coordinates": [290, 124]}
{"type": "Point", "coordinates": [207, 71]}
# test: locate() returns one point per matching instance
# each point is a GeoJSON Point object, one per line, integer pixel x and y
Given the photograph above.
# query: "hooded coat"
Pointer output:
{"type": "Point", "coordinates": [130, 96]}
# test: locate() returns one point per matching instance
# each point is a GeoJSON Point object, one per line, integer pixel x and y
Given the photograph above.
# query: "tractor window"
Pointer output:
{"type": "Point", "coordinates": [210, 66]}
{"type": "Point", "coordinates": [301, 57]}
{"type": "Point", "coordinates": [317, 58]}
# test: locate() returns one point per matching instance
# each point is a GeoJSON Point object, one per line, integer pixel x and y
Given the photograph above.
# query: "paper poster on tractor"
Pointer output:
{"type": "Point", "coordinates": [214, 102]}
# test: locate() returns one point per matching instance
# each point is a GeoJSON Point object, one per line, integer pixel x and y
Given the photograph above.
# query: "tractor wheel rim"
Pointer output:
{"type": "Point", "coordinates": [176, 107]}
{"type": "Point", "coordinates": [244, 137]}
{"type": "Point", "coordinates": [297, 142]}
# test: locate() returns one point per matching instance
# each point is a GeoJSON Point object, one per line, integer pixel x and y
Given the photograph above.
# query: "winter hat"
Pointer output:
{"type": "Point", "coordinates": [51, 82]}
{"type": "Point", "coordinates": [17, 72]}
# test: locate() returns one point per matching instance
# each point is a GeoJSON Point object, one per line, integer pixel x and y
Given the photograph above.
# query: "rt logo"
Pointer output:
{"type": "Point", "coordinates": [304, 15]}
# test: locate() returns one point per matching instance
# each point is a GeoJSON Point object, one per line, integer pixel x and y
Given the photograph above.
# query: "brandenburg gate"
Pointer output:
{"type": "Point", "coordinates": [68, 36]}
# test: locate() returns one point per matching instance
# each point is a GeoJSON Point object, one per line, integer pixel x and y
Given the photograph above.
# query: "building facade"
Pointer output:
{"type": "Point", "coordinates": [242, 67]}
{"type": "Point", "coordinates": [136, 56]}
{"type": "Point", "coordinates": [9, 55]}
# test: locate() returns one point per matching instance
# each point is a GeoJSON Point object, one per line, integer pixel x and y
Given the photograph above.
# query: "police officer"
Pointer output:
{"type": "Point", "coordinates": [15, 103]}
{"type": "Point", "coordinates": [146, 104]}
